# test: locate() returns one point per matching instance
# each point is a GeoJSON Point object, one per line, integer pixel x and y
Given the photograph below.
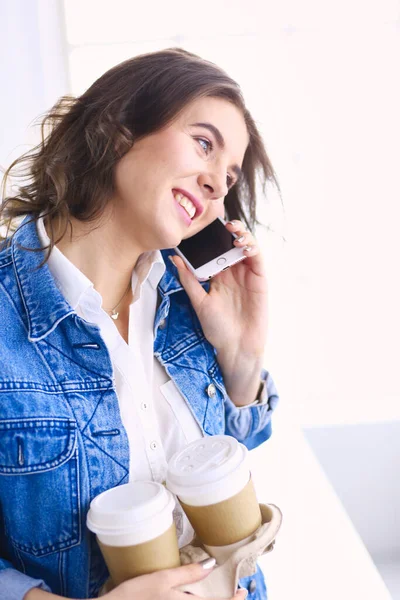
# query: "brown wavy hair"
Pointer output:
{"type": "Point", "coordinates": [71, 171]}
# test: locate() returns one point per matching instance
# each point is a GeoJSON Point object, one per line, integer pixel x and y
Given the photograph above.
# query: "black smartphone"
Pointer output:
{"type": "Point", "coordinates": [210, 251]}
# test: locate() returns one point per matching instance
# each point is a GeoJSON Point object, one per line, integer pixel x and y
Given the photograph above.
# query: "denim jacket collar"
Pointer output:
{"type": "Point", "coordinates": [45, 305]}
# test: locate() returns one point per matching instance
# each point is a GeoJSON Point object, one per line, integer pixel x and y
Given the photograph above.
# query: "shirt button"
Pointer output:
{"type": "Point", "coordinates": [144, 406]}
{"type": "Point", "coordinates": [154, 445]}
{"type": "Point", "coordinates": [252, 586]}
{"type": "Point", "coordinates": [211, 391]}
{"type": "Point", "coordinates": [162, 324]}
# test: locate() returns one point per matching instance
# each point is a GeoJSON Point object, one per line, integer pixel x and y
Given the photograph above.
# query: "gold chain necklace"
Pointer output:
{"type": "Point", "coordinates": [112, 312]}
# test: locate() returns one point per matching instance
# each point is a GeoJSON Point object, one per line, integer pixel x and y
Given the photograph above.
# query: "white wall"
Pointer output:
{"type": "Point", "coordinates": [362, 463]}
{"type": "Point", "coordinates": [322, 81]}
{"type": "Point", "coordinates": [33, 70]}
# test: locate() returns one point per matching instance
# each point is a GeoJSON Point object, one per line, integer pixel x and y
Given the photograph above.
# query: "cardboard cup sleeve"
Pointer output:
{"type": "Point", "coordinates": [228, 521]}
{"type": "Point", "coordinates": [223, 581]}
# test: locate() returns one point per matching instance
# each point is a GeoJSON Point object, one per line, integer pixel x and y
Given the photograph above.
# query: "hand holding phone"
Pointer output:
{"type": "Point", "coordinates": [210, 251]}
{"type": "Point", "coordinates": [233, 311]}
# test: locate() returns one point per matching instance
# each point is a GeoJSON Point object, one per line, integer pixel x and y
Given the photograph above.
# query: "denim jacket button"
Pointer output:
{"type": "Point", "coordinates": [211, 391]}
{"type": "Point", "coordinates": [162, 324]}
{"type": "Point", "coordinates": [252, 586]}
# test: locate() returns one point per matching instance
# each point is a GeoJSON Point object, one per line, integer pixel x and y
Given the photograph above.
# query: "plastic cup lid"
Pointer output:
{"type": "Point", "coordinates": [205, 463]}
{"type": "Point", "coordinates": [128, 507]}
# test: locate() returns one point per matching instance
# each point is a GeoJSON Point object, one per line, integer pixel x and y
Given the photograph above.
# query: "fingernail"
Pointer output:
{"type": "Point", "coordinates": [208, 563]}
{"type": "Point", "coordinates": [172, 260]}
{"type": "Point", "coordinates": [231, 223]}
{"type": "Point", "coordinates": [247, 248]}
{"type": "Point", "coordinates": [240, 239]}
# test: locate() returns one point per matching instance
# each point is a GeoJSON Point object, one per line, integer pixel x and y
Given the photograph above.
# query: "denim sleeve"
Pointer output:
{"type": "Point", "coordinates": [252, 425]}
{"type": "Point", "coordinates": [14, 584]}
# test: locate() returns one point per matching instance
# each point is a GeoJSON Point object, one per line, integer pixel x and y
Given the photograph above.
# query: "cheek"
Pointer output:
{"type": "Point", "coordinates": [221, 210]}
{"type": "Point", "coordinates": [216, 209]}
{"type": "Point", "coordinates": [174, 154]}
{"type": "Point", "coordinates": [124, 175]}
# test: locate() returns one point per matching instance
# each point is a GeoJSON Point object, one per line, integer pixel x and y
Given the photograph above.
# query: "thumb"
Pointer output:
{"type": "Point", "coordinates": [190, 573]}
{"type": "Point", "coordinates": [190, 284]}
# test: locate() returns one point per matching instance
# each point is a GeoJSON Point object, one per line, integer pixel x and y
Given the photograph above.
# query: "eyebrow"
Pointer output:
{"type": "Point", "coordinates": [221, 143]}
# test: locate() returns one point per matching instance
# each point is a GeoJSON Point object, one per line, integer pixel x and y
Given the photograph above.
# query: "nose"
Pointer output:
{"type": "Point", "coordinates": [213, 185]}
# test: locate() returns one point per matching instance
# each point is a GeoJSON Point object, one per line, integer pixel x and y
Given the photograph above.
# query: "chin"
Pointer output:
{"type": "Point", "coordinates": [171, 240]}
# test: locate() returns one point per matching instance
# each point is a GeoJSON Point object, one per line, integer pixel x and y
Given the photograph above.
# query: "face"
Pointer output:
{"type": "Point", "coordinates": [171, 184]}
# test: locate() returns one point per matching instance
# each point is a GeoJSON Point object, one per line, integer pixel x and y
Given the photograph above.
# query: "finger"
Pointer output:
{"type": "Point", "coordinates": [189, 282]}
{"type": "Point", "coordinates": [245, 239]}
{"type": "Point", "coordinates": [251, 250]}
{"type": "Point", "coordinates": [254, 260]}
{"type": "Point", "coordinates": [188, 573]}
{"type": "Point", "coordinates": [240, 595]}
{"type": "Point", "coordinates": [236, 226]}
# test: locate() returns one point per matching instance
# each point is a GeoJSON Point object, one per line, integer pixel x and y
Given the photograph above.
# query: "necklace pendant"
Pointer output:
{"type": "Point", "coordinates": [115, 315]}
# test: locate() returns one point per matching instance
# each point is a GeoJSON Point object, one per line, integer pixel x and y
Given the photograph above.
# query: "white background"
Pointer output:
{"type": "Point", "coordinates": [322, 80]}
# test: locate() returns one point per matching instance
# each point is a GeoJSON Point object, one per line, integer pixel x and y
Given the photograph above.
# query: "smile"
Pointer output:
{"type": "Point", "coordinates": [191, 205]}
{"type": "Point", "coordinates": [185, 203]}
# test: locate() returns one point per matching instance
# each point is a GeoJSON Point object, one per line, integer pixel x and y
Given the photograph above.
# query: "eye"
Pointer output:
{"type": "Point", "coordinates": [205, 144]}
{"type": "Point", "coordinates": [230, 182]}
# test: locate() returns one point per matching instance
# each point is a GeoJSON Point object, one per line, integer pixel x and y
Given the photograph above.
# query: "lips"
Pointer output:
{"type": "Point", "coordinates": [186, 204]}
{"type": "Point", "coordinates": [189, 203]}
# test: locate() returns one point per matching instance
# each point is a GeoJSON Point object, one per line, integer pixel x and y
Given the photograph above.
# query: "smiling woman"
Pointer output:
{"type": "Point", "coordinates": [192, 173]}
{"type": "Point", "coordinates": [102, 324]}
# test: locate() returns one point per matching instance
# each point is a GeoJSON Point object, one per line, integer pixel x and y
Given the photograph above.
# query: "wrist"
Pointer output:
{"type": "Point", "coordinates": [242, 378]}
{"type": "Point", "coordinates": [39, 594]}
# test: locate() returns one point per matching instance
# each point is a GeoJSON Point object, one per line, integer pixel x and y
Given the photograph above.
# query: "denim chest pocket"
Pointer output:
{"type": "Point", "coordinates": [39, 486]}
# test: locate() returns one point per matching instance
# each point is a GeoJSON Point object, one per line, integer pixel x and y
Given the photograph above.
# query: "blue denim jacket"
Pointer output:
{"type": "Point", "coordinates": [62, 441]}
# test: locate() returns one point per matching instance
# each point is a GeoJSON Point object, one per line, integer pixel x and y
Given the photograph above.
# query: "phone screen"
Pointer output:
{"type": "Point", "coordinates": [210, 242]}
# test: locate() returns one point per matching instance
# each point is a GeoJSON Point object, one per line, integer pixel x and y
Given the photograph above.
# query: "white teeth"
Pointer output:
{"type": "Point", "coordinates": [186, 203]}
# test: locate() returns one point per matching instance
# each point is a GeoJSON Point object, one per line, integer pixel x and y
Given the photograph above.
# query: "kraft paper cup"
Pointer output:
{"type": "Point", "coordinates": [212, 480]}
{"type": "Point", "coordinates": [135, 529]}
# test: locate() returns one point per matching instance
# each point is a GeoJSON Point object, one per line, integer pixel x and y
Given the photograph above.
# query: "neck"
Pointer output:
{"type": "Point", "coordinates": [104, 256]}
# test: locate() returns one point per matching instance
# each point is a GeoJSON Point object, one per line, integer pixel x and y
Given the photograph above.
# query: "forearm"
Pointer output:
{"type": "Point", "coordinates": [38, 594]}
{"type": "Point", "coordinates": [241, 375]}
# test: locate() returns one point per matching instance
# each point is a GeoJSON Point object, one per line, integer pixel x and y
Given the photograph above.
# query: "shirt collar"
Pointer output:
{"type": "Point", "coordinates": [150, 266]}
{"type": "Point", "coordinates": [71, 282]}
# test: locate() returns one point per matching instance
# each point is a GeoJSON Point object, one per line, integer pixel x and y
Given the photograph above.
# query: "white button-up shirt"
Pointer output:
{"type": "Point", "coordinates": [156, 417]}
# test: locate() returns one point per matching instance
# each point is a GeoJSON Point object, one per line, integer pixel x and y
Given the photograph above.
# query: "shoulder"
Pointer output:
{"type": "Point", "coordinates": [5, 253]}
{"type": "Point", "coordinates": [9, 295]}
{"type": "Point", "coordinates": [7, 274]}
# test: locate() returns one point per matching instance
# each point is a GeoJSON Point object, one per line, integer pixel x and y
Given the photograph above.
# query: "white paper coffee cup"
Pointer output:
{"type": "Point", "coordinates": [211, 478]}
{"type": "Point", "coordinates": [135, 529]}
{"type": "Point", "coordinates": [132, 513]}
{"type": "Point", "coordinates": [209, 470]}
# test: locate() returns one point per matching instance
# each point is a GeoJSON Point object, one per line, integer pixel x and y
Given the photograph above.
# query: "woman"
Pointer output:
{"type": "Point", "coordinates": [114, 357]}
